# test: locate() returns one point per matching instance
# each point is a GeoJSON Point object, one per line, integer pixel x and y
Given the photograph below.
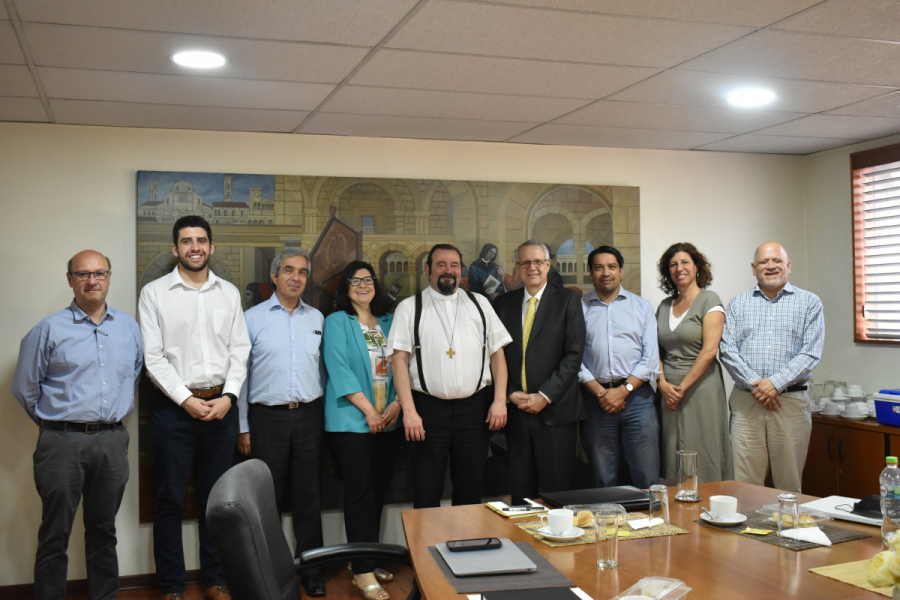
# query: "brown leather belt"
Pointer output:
{"type": "Point", "coordinates": [208, 392]}
{"type": "Point", "coordinates": [288, 406]}
{"type": "Point", "coordinates": [800, 387]}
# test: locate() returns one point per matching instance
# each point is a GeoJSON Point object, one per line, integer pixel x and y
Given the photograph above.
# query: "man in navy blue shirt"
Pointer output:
{"type": "Point", "coordinates": [76, 377]}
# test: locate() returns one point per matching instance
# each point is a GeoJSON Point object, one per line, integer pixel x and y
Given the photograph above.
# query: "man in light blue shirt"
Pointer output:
{"type": "Point", "coordinates": [772, 341]}
{"type": "Point", "coordinates": [76, 377]}
{"type": "Point", "coordinates": [282, 413]}
{"type": "Point", "coordinates": [621, 354]}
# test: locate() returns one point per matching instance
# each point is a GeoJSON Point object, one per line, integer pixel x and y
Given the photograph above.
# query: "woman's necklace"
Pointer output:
{"type": "Point", "coordinates": [452, 333]}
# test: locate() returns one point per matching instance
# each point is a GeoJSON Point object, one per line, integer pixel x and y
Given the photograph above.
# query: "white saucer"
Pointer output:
{"type": "Point", "coordinates": [828, 414]}
{"type": "Point", "coordinates": [738, 518]}
{"type": "Point", "coordinates": [572, 534]}
{"type": "Point", "coordinates": [859, 418]}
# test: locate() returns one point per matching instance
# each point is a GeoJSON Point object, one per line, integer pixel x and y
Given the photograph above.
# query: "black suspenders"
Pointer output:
{"type": "Point", "coordinates": [418, 318]}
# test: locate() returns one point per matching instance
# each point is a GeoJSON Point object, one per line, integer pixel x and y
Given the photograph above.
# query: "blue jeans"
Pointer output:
{"type": "Point", "coordinates": [639, 427]}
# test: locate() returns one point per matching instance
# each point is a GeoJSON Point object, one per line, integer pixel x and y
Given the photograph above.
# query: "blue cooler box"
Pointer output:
{"type": "Point", "coordinates": [887, 407]}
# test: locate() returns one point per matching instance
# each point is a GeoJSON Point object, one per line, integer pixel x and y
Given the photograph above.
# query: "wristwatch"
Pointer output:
{"type": "Point", "coordinates": [231, 397]}
{"type": "Point", "coordinates": [629, 387]}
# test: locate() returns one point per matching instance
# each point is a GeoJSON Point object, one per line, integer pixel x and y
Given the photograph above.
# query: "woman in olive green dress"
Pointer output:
{"type": "Point", "coordinates": [693, 406]}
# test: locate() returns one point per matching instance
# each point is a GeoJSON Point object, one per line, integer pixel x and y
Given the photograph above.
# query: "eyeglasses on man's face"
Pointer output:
{"type": "Point", "coordinates": [85, 275]}
{"type": "Point", "coordinates": [527, 264]}
{"type": "Point", "coordinates": [357, 281]}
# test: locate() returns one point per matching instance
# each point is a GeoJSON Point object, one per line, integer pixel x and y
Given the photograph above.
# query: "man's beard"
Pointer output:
{"type": "Point", "coordinates": [189, 267]}
{"type": "Point", "coordinates": [445, 287]}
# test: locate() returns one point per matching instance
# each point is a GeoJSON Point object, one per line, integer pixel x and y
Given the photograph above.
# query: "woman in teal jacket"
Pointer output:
{"type": "Point", "coordinates": [361, 411]}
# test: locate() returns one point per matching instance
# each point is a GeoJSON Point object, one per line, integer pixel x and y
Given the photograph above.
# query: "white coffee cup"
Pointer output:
{"type": "Point", "coordinates": [839, 394]}
{"type": "Point", "coordinates": [856, 409]}
{"type": "Point", "coordinates": [856, 391]}
{"type": "Point", "coordinates": [559, 520]}
{"type": "Point", "coordinates": [723, 508]}
{"type": "Point", "coordinates": [832, 409]}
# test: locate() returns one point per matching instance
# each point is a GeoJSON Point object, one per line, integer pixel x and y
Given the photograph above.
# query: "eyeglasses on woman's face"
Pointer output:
{"type": "Point", "coordinates": [358, 281]}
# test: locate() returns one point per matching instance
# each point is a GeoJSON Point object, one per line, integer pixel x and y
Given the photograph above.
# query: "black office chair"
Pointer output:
{"type": "Point", "coordinates": [255, 557]}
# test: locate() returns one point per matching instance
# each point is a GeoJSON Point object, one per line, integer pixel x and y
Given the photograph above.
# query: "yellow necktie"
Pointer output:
{"type": "Point", "coordinates": [526, 332]}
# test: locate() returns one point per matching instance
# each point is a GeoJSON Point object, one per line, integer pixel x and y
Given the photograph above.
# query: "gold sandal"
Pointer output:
{"type": "Point", "coordinates": [369, 587]}
{"type": "Point", "coordinates": [382, 575]}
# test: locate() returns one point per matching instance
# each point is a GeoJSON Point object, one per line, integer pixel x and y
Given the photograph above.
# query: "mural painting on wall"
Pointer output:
{"type": "Point", "coordinates": [390, 223]}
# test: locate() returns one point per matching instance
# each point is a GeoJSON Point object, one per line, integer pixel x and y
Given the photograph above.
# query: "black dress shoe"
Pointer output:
{"type": "Point", "coordinates": [313, 585]}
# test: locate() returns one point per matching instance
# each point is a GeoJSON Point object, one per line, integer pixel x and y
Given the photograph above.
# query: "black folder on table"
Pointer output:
{"type": "Point", "coordinates": [631, 498]}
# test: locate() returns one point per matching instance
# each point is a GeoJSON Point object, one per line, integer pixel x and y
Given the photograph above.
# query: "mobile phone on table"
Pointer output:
{"type": "Point", "coordinates": [476, 544]}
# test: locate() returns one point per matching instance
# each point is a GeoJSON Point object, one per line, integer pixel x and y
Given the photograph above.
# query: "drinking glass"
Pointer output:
{"type": "Point", "coordinates": [829, 387]}
{"type": "Point", "coordinates": [606, 518]}
{"type": "Point", "coordinates": [659, 503]}
{"type": "Point", "coordinates": [787, 505]}
{"type": "Point", "coordinates": [686, 476]}
{"type": "Point", "coordinates": [818, 392]}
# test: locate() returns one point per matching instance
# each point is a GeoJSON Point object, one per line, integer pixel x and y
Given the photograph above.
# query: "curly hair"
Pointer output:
{"type": "Point", "coordinates": [704, 267]}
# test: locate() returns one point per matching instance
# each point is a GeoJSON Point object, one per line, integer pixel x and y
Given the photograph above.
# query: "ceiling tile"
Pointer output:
{"type": "Point", "coordinates": [694, 88]}
{"type": "Point", "coordinates": [494, 30]}
{"type": "Point", "coordinates": [461, 73]}
{"type": "Point", "coordinates": [117, 86]}
{"type": "Point", "coordinates": [583, 135]}
{"type": "Point", "coordinates": [679, 118]}
{"type": "Point", "coordinates": [22, 109]}
{"type": "Point", "coordinates": [124, 114]}
{"type": "Point", "coordinates": [836, 126]}
{"type": "Point", "coordinates": [805, 56]}
{"type": "Point", "coordinates": [448, 105]}
{"type": "Point", "coordinates": [16, 80]}
{"type": "Point", "coordinates": [776, 144]}
{"type": "Point", "coordinates": [354, 22]}
{"type": "Point", "coordinates": [730, 12]}
{"type": "Point", "coordinates": [887, 105]}
{"type": "Point", "coordinates": [10, 51]}
{"type": "Point", "coordinates": [150, 52]}
{"type": "Point", "coordinates": [872, 19]}
{"type": "Point", "coordinates": [413, 127]}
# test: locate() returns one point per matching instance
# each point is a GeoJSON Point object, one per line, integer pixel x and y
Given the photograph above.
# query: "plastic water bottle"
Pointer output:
{"type": "Point", "coordinates": [890, 502]}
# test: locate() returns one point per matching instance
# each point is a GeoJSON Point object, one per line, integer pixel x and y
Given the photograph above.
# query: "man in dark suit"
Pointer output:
{"type": "Point", "coordinates": [546, 323]}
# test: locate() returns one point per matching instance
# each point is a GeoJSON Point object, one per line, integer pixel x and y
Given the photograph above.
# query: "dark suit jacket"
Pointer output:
{"type": "Point", "coordinates": [555, 350]}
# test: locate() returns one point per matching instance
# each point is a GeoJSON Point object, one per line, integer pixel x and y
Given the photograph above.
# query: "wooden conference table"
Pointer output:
{"type": "Point", "coordinates": [716, 564]}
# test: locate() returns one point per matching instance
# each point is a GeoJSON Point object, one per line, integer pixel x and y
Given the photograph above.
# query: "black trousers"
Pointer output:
{"type": "Point", "coordinates": [454, 430]}
{"type": "Point", "coordinates": [181, 444]}
{"type": "Point", "coordinates": [290, 443]}
{"type": "Point", "coordinates": [366, 462]}
{"type": "Point", "coordinates": [69, 465]}
{"type": "Point", "coordinates": [541, 457]}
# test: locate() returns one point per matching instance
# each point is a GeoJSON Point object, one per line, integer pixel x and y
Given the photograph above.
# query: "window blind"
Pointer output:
{"type": "Point", "coordinates": [876, 211]}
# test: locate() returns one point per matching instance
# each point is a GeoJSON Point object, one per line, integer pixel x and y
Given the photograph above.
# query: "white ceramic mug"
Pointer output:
{"type": "Point", "coordinates": [559, 520]}
{"type": "Point", "coordinates": [723, 508]}
{"type": "Point", "coordinates": [839, 394]}
{"type": "Point", "coordinates": [857, 409]}
{"type": "Point", "coordinates": [856, 391]}
{"type": "Point", "coordinates": [832, 409]}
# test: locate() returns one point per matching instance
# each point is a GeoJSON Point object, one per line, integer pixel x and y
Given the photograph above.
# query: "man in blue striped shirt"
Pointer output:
{"type": "Point", "coordinates": [772, 341]}
{"type": "Point", "coordinates": [76, 377]}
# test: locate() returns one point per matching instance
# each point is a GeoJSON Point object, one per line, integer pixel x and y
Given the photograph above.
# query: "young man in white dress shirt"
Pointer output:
{"type": "Point", "coordinates": [196, 348]}
{"type": "Point", "coordinates": [445, 415]}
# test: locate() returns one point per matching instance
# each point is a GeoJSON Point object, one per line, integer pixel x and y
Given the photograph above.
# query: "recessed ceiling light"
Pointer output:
{"type": "Point", "coordinates": [751, 97]}
{"type": "Point", "coordinates": [198, 59]}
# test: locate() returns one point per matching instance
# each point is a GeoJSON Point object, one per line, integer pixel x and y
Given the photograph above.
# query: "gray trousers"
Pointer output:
{"type": "Point", "coordinates": [67, 466]}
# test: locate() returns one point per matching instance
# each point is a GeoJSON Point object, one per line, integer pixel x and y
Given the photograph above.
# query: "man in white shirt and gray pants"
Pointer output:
{"type": "Point", "coordinates": [441, 352]}
{"type": "Point", "coordinates": [196, 348]}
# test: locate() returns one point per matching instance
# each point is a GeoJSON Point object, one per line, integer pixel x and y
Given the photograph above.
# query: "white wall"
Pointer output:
{"type": "Point", "coordinates": [66, 188]}
{"type": "Point", "coordinates": [830, 272]}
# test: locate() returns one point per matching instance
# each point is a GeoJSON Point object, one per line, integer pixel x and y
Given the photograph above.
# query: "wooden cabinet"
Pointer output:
{"type": "Point", "coordinates": [845, 458]}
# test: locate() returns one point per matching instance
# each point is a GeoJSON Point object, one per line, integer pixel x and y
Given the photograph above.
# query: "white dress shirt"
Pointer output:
{"type": "Point", "coordinates": [446, 377]}
{"type": "Point", "coordinates": [193, 339]}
